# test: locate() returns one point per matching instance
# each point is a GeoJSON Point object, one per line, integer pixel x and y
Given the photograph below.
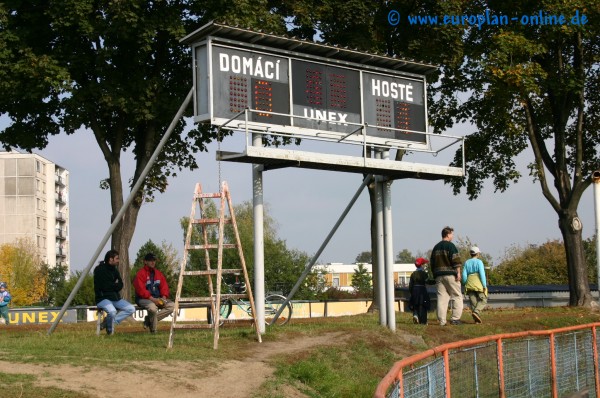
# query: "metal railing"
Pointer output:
{"type": "Point", "coordinates": [546, 363]}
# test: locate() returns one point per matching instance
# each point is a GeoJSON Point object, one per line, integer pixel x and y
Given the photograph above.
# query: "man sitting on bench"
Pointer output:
{"type": "Point", "coordinates": [107, 287]}
{"type": "Point", "coordinates": [152, 293]}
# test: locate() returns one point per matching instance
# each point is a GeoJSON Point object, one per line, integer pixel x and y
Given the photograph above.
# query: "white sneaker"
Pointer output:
{"type": "Point", "coordinates": [415, 319]}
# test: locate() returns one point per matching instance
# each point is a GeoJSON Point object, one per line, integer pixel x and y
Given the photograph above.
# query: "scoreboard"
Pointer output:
{"type": "Point", "coordinates": [308, 97]}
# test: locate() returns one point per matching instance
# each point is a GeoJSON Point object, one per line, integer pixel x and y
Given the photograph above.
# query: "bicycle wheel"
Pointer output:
{"type": "Point", "coordinates": [272, 304]}
{"type": "Point", "coordinates": [225, 310]}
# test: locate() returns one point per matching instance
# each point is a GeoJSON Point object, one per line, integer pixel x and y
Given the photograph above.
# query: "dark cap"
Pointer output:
{"type": "Point", "coordinates": [150, 257]}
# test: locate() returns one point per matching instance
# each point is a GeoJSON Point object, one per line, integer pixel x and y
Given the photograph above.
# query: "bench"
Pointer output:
{"type": "Point", "coordinates": [100, 313]}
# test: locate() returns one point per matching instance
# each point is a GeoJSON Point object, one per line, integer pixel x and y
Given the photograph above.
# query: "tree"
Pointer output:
{"type": "Point", "coordinates": [364, 258]}
{"type": "Point", "coordinates": [55, 277]}
{"type": "Point", "coordinates": [532, 265]}
{"type": "Point", "coordinates": [84, 296]}
{"type": "Point", "coordinates": [116, 69]}
{"type": "Point", "coordinates": [536, 265]}
{"type": "Point", "coordinates": [21, 269]}
{"type": "Point", "coordinates": [530, 87]}
{"type": "Point", "coordinates": [522, 86]}
{"type": "Point", "coordinates": [361, 281]}
{"type": "Point", "coordinates": [405, 257]}
{"type": "Point", "coordinates": [283, 266]}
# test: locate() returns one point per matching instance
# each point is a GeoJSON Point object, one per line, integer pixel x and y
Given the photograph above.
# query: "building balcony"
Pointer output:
{"type": "Point", "coordinates": [59, 180]}
{"type": "Point", "coordinates": [60, 216]}
{"type": "Point", "coordinates": [61, 234]}
{"type": "Point", "coordinates": [61, 253]}
{"type": "Point", "coordinates": [60, 197]}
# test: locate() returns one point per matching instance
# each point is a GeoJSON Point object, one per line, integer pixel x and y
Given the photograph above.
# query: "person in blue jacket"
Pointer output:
{"type": "Point", "coordinates": [5, 298]}
{"type": "Point", "coordinates": [473, 278]}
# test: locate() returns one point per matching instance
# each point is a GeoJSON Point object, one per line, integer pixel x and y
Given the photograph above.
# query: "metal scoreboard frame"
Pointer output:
{"type": "Point", "coordinates": [297, 88]}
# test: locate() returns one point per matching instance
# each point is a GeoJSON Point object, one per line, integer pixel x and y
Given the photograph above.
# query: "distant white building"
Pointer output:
{"type": "Point", "coordinates": [34, 204]}
{"type": "Point", "coordinates": [339, 275]}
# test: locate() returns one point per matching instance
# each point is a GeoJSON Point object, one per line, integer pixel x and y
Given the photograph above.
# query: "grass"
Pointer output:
{"type": "Point", "coordinates": [350, 364]}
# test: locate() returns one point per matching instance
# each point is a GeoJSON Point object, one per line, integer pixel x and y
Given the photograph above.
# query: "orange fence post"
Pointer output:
{"type": "Point", "coordinates": [501, 392]}
{"type": "Point", "coordinates": [447, 373]}
{"type": "Point", "coordinates": [595, 351]}
{"type": "Point", "coordinates": [553, 367]}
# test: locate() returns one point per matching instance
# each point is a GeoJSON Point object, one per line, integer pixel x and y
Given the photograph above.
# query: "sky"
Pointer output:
{"type": "Point", "coordinates": [307, 203]}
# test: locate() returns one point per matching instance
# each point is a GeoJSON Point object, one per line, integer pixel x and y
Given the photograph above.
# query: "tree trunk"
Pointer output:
{"type": "Point", "coordinates": [579, 288]}
{"type": "Point", "coordinates": [123, 233]}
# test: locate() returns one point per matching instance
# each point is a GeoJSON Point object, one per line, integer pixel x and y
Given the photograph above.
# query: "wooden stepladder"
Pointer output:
{"type": "Point", "coordinates": [209, 231]}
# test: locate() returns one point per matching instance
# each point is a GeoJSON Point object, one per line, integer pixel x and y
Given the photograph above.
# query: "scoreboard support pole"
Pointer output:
{"type": "Point", "coordinates": [389, 249]}
{"type": "Point", "coordinates": [381, 297]}
{"type": "Point", "coordinates": [259, 247]}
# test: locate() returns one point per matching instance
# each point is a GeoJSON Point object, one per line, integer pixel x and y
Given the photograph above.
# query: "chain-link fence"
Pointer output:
{"type": "Point", "coordinates": [553, 363]}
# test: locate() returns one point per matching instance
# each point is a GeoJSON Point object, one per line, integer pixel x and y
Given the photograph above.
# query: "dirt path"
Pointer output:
{"type": "Point", "coordinates": [179, 379]}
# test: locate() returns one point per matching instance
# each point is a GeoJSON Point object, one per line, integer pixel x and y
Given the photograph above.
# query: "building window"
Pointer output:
{"type": "Point", "coordinates": [335, 281]}
{"type": "Point", "coordinates": [38, 166]}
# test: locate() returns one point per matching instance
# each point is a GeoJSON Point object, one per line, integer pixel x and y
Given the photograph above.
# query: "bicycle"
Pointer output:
{"type": "Point", "coordinates": [272, 304]}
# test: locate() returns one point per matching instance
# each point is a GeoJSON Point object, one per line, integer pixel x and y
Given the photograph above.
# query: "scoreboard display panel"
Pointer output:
{"type": "Point", "coordinates": [393, 102]}
{"type": "Point", "coordinates": [328, 95]}
{"type": "Point", "coordinates": [305, 97]}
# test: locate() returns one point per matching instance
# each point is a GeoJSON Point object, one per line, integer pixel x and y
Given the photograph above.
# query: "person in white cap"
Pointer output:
{"type": "Point", "coordinates": [473, 277]}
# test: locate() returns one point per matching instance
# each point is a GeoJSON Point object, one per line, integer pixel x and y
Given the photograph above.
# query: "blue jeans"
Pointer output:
{"type": "Point", "coordinates": [113, 316]}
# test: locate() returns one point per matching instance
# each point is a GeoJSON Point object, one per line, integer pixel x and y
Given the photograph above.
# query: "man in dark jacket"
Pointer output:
{"type": "Point", "coordinates": [107, 286]}
{"type": "Point", "coordinates": [445, 265]}
{"type": "Point", "coordinates": [152, 293]}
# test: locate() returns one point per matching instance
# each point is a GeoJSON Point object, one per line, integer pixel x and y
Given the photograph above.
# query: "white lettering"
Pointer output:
{"type": "Point", "coordinates": [329, 116]}
{"type": "Point", "coordinates": [269, 70]}
{"type": "Point", "coordinates": [223, 62]}
{"type": "Point", "coordinates": [250, 66]}
{"type": "Point", "coordinates": [247, 66]}
{"type": "Point", "coordinates": [236, 64]}
{"type": "Point", "coordinates": [375, 85]}
{"type": "Point", "coordinates": [258, 72]}
{"type": "Point", "coordinates": [384, 88]}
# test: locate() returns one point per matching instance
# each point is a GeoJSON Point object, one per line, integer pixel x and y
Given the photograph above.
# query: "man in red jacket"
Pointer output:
{"type": "Point", "coordinates": [152, 293]}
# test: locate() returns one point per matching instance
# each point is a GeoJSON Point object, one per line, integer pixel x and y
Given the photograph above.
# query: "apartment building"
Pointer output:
{"type": "Point", "coordinates": [34, 204]}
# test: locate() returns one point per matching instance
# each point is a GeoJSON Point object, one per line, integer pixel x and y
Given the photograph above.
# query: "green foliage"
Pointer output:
{"type": "Point", "coordinates": [283, 266]}
{"type": "Point", "coordinates": [56, 277]}
{"type": "Point", "coordinates": [361, 282]}
{"type": "Point", "coordinates": [405, 257]}
{"type": "Point", "coordinates": [364, 257]}
{"type": "Point", "coordinates": [537, 265]}
{"type": "Point", "coordinates": [85, 295]}
{"type": "Point", "coordinates": [532, 265]}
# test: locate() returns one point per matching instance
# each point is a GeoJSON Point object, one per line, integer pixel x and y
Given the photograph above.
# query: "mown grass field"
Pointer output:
{"type": "Point", "coordinates": [349, 362]}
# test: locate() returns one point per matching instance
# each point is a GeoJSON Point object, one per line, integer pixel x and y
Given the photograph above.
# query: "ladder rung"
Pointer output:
{"type": "Point", "coordinates": [195, 299]}
{"type": "Point", "coordinates": [213, 272]}
{"type": "Point", "coordinates": [207, 195]}
{"type": "Point", "coordinates": [192, 326]}
{"type": "Point", "coordinates": [211, 246]}
{"type": "Point", "coordinates": [227, 220]}
{"type": "Point", "coordinates": [236, 296]}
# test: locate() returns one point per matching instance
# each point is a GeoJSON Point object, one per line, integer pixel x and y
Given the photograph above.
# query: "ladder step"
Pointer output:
{"type": "Point", "coordinates": [195, 299]}
{"type": "Point", "coordinates": [227, 220]}
{"type": "Point", "coordinates": [207, 195]}
{"type": "Point", "coordinates": [211, 246]}
{"type": "Point", "coordinates": [234, 296]}
{"type": "Point", "coordinates": [213, 272]}
{"type": "Point", "coordinates": [192, 326]}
